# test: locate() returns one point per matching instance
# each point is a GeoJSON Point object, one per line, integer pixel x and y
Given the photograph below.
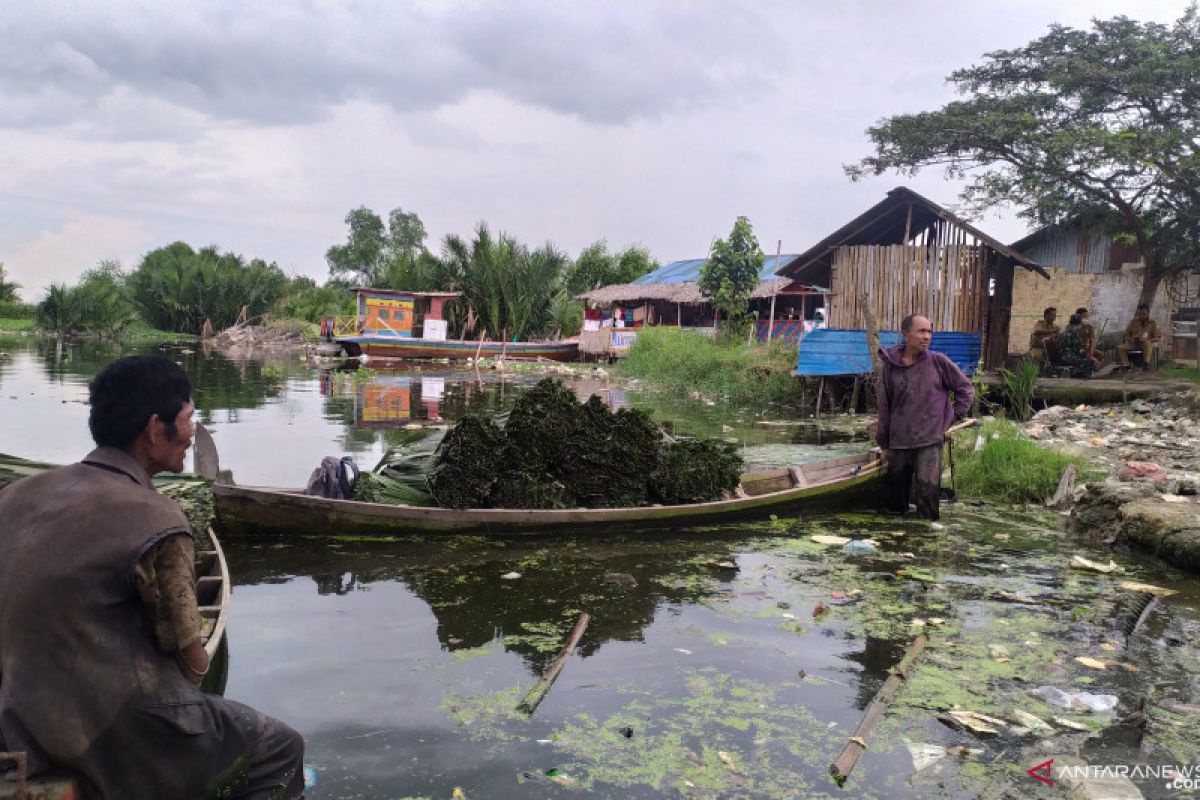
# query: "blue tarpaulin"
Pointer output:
{"type": "Point", "coordinates": [689, 270]}
{"type": "Point", "coordinates": [834, 351]}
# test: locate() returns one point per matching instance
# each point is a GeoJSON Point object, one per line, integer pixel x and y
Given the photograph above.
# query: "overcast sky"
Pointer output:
{"type": "Point", "coordinates": [256, 126]}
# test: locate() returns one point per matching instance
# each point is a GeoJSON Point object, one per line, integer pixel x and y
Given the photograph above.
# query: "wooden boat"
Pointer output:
{"type": "Point", "coordinates": [412, 349]}
{"type": "Point", "coordinates": [213, 594]}
{"type": "Point", "coordinates": [261, 510]}
{"type": "Point", "coordinates": [406, 325]}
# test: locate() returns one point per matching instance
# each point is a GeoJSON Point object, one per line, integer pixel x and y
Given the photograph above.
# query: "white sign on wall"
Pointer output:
{"type": "Point", "coordinates": [435, 329]}
{"type": "Point", "coordinates": [621, 339]}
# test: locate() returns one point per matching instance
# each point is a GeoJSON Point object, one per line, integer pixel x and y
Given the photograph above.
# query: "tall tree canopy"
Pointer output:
{"type": "Point", "coordinates": [508, 290]}
{"type": "Point", "coordinates": [176, 288]}
{"type": "Point", "coordinates": [8, 289]}
{"type": "Point", "coordinates": [731, 273]}
{"type": "Point", "coordinates": [1097, 125]}
{"type": "Point", "coordinates": [596, 267]}
{"type": "Point", "coordinates": [385, 256]}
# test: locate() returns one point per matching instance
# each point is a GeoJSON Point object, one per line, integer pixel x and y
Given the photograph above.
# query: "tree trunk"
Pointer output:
{"type": "Point", "coordinates": [1156, 270]}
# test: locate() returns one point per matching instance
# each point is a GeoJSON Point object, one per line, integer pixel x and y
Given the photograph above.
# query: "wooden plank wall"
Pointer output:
{"type": "Point", "coordinates": [947, 283]}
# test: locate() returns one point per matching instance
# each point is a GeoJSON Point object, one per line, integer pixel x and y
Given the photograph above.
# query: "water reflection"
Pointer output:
{"type": "Point", "coordinates": [621, 584]}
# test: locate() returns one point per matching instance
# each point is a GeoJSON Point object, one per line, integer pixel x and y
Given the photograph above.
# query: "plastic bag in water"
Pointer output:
{"type": "Point", "coordinates": [1077, 701]}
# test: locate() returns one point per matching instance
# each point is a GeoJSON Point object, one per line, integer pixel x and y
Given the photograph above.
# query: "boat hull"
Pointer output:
{"type": "Point", "coordinates": [409, 349]}
{"type": "Point", "coordinates": [246, 510]}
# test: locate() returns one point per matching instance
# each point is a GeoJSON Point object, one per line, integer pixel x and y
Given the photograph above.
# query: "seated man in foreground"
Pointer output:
{"type": "Point", "coordinates": [1141, 334]}
{"type": "Point", "coordinates": [100, 651]}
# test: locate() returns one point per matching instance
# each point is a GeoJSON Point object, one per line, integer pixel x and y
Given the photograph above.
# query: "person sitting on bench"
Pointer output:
{"type": "Point", "coordinates": [1140, 336]}
{"type": "Point", "coordinates": [1044, 334]}
{"type": "Point", "coordinates": [1070, 350]}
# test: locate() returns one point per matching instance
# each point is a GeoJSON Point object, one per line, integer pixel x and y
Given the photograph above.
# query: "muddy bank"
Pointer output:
{"type": "Point", "coordinates": [1142, 519]}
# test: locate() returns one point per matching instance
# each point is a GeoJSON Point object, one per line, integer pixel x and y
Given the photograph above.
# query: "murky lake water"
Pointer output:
{"type": "Point", "coordinates": [402, 663]}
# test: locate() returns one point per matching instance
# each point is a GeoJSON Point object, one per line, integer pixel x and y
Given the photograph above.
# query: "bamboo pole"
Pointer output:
{"type": "Point", "coordinates": [537, 693]}
{"type": "Point", "coordinates": [843, 765]}
{"type": "Point", "coordinates": [774, 291]}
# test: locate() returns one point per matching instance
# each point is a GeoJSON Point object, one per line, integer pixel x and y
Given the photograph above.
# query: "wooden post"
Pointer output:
{"type": "Point", "coordinates": [908, 223]}
{"type": "Point", "coordinates": [820, 392]}
{"type": "Point", "coordinates": [774, 291]}
{"type": "Point", "coordinates": [843, 765]}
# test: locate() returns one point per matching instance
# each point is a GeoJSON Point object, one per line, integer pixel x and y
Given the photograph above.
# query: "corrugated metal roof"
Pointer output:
{"type": "Point", "coordinates": [688, 270]}
{"type": "Point", "coordinates": [886, 222]}
{"type": "Point", "coordinates": [834, 351]}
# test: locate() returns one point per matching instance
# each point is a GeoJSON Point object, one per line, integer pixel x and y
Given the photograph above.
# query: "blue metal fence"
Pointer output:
{"type": "Point", "coordinates": [833, 351]}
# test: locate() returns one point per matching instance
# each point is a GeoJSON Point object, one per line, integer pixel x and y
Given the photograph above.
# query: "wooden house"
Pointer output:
{"type": "Point", "coordinates": [906, 255]}
{"type": "Point", "coordinates": [670, 296]}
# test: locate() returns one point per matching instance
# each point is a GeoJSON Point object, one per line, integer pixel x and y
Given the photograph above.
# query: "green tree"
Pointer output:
{"type": "Point", "coordinates": [303, 299]}
{"type": "Point", "coordinates": [361, 258]}
{"type": "Point", "coordinates": [1096, 125]}
{"type": "Point", "coordinates": [176, 288]}
{"type": "Point", "coordinates": [61, 311]}
{"type": "Point", "coordinates": [596, 267]}
{"type": "Point", "coordinates": [98, 305]}
{"type": "Point", "coordinates": [507, 290]}
{"type": "Point", "coordinates": [731, 273]}
{"type": "Point", "coordinates": [8, 289]}
{"type": "Point", "coordinates": [392, 256]}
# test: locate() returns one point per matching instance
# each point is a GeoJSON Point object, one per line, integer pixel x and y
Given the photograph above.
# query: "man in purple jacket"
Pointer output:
{"type": "Point", "coordinates": [915, 409]}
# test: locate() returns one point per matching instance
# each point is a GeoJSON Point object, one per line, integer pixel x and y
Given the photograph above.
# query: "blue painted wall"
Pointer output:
{"type": "Point", "coordinates": [833, 351]}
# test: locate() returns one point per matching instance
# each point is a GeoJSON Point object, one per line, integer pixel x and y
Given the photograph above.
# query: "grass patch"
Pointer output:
{"type": "Point", "coordinates": [10, 324]}
{"type": "Point", "coordinates": [142, 332]}
{"type": "Point", "coordinates": [1011, 468]}
{"type": "Point", "coordinates": [685, 361]}
{"type": "Point", "coordinates": [1178, 371]}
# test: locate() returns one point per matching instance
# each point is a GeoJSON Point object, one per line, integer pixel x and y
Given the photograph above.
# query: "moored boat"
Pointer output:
{"type": "Point", "coordinates": [249, 510]}
{"type": "Point", "coordinates": [410, 326]}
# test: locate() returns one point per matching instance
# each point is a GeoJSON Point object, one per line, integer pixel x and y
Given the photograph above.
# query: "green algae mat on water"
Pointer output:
{"type": "Point", "coordinates": [755, 690]}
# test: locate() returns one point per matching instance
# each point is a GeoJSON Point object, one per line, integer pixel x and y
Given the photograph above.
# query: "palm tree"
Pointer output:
{"type": "Point", "coordinates": [507, 291]}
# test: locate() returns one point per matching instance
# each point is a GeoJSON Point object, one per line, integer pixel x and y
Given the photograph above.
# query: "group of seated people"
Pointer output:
{"type": "Point", "coordinates": [1075, 346]}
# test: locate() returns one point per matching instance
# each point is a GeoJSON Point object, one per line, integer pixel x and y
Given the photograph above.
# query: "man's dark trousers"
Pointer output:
{"type": "Point", "coordinates": [923, 463]}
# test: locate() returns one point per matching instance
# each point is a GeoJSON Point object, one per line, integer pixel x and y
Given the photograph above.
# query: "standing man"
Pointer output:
{"type": "Point", "coordinates": [1140, 334]}
{"type": "Point", "coordinates": [100, 651]}
{"type": "Point", "coordinates": [915, 409]}
{"type": "Point", "coordinates": [1043, 336]}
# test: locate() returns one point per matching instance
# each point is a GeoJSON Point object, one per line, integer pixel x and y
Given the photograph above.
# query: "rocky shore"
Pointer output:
{"type": "Point", "coordinates": [1150, 449]}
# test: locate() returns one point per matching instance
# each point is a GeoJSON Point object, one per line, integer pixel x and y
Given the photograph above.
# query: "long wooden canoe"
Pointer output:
{"type": "Point", "coordinates": [261, 510]}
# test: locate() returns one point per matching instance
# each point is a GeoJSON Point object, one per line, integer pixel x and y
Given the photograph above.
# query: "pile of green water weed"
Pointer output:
{"type": "Point", "coordinates": [466, 464]}
{"type": "Point", "coordinates": [554, 452]}
{"type": "Point", "coordinates": [1010, 467]}
{"type": "Point", "coordinates": [685, 361]}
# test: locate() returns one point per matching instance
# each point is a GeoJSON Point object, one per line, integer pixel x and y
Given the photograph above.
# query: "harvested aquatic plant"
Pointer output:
{"type": "Point", "coordinates": [555, 452]}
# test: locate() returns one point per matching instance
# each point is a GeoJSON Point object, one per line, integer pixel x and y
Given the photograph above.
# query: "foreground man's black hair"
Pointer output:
{"type": "Point", "coordinates": [126, 393]}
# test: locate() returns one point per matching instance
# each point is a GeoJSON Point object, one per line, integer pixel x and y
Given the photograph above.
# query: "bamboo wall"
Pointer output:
{"type": "Point", "coordinates": [946, 283]}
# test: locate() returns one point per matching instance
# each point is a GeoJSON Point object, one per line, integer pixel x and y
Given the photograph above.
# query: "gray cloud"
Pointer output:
{"type": "Point", "coordinates": [288, 63]}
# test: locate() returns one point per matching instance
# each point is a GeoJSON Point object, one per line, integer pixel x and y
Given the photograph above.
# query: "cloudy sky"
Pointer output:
{"type": "Point", "coordinates": [256, 126]}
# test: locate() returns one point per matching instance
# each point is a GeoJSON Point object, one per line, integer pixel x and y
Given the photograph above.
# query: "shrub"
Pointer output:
{"type": "Point", "coordinates": [684, 361]}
